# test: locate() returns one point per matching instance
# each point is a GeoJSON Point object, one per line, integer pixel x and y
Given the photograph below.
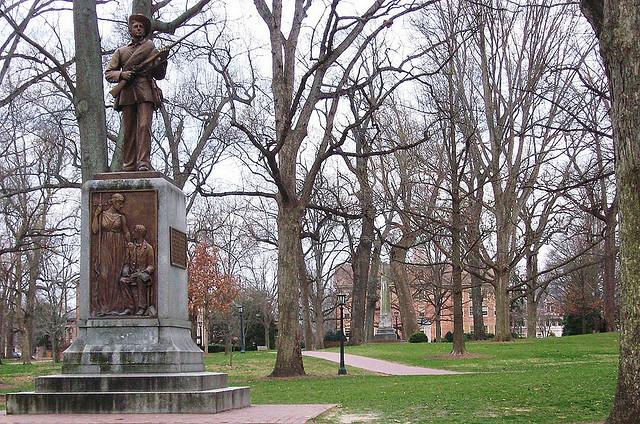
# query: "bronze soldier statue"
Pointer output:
{"type": "Point", "coordinates": [140, 96]}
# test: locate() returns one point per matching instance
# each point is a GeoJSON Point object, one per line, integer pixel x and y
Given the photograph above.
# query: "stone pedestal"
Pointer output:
{"type": "Point", "coordinates": [125, 361]}
{"type": "Point", "coordinates": [199, 393]}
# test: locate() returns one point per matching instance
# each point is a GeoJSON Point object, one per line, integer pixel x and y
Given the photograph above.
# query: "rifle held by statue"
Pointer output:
{"type": "Point", "coordinates": [118, 88]}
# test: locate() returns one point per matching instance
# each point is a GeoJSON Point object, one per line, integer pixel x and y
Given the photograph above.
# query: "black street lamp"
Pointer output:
{"type": "Point", "coordinates": [342, 299]}
{"type": "Point", "coordinates": [240, 310]}
{"type": "Point", "coordinates": [396, 314]}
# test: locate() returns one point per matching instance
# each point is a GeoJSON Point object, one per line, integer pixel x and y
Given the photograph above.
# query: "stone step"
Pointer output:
{"type": "Point", "coordinates": [194, 402]}
{"type": "Point", "coordinates": [165, 382]}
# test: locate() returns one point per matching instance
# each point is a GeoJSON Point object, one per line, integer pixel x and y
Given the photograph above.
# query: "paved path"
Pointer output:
{"type": "Point", "coordinates": [377, 365]}
{"type": "Point", "coordinates": [255, 414]}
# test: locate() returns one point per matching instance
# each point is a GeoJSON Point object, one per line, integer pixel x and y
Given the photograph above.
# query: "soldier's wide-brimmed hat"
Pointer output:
{"type": "Point", "coordinates": [138, 17]}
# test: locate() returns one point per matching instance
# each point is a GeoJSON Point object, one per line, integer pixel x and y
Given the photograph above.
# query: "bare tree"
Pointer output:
{"type": "Point", "coordinates": [521, 92]}
{"type": "Point", "coordinates": [338, 44]}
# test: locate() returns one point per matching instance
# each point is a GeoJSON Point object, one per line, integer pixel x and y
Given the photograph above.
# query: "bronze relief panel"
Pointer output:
{"type": "Point", "coordinates": [124, 245]}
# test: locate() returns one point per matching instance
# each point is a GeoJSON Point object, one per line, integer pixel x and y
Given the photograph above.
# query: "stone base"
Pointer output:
{"type": "Point", "coordinates": [201, 393]}
{"type": "Point", "coordinates": [385, 334]}
{"type": "Point", "coordinates": [132, 345]}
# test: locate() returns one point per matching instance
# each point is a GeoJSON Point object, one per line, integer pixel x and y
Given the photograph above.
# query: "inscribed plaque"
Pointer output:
{"type": "Point", "coordinates": [178, 248]}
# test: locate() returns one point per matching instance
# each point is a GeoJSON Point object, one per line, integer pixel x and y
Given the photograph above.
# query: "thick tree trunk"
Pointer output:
{"type": "Point", "coordinates": [532, 315]}
{"type": "Point", "coordinates": [318, 300]}
{"type": "Point", "coordinates": [305, 298]}
{"type": "Point", "coordinates": [88, 95]}
{"type": "Point", "coordinates": [617, 24]}
{"type": "Point", "coordinates": [362, 259]}
{"type": "Point", "coordinates": [403, 289]}
{"type": "Point", "coordinates": [502, 277]}
{"type": "Point", "coordinates": [456, 273]}
{"type": "Point", "coordinates": [361, 265]}
{"type": "Point", "coordinates": [289, 356]}
{"type": "Point", "coordinates": [503, 307]}
{"type": "Point", "coordinates": [10, 345]}
{"type": "Point", "coordinates": [319, 338]}
{"type": "Point", "coordinates": [474, 263]}
{"type": "Point", "coordinates": [372, 293]}
{"type": "Point", "coordinates": [438, 322]}
{"type": "Point", "coordinates": [267, 325]}
{"type": "Point", "coordinates": [28, 338]}
{"type": "Point", "coordinates": [609, 270]}
{"type": "Point", "coordinates": [476, 305]}
{"type": "Point", "coordinates": [532, 303]}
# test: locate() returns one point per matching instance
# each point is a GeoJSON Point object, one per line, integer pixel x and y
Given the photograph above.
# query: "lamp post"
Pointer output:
{"type": "Point", "coordinates": [396, 314]}
{"type": "Point", "coordinates": [342, 299]}
{"type": "Point", "coordinates": [240, 310]}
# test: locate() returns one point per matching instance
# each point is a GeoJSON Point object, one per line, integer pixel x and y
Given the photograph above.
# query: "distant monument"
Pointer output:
{"type": "Point", "coordinates": [385, 323]}
{"type": "Point", "coordinates": [134, 352]}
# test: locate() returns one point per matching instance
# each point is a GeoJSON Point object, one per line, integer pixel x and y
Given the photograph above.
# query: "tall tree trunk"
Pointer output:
{"type": "Point", "coordinates": [503, 306]}
{"type": "Point", "coordinates": [142, 6]}
{"type": "Point", "coordinates": [609, 269]}
{"type": "Point", "coordinates": [28, 338]}
{"type": "Point", "coordinates": [476, 305]}
{"type": "Point", "coordinates": [362, 259]}
{"type": "Point", "coordinates": [403, 288]}
{"type": "Point", "coordinates": [319, 339]}
{"type": "Point", "coordinates": [305, 298]}
{"type": "Point", "coordinates": [9, 326]}
{"type": "Point", "coordinates": [20, 315]}
{"type": "Point", "coordinates": [359, 292]}
{"type": "Point", "coordinates": [438, 323]}
{"type": "Point", "coordinates": [617, 26]}
{"type": "Point", "coordinates": [456, 274]}
{"type": "Point", "coordinates": [502, 275]}
{"type": "Point", "coordinates": [372, 292]}
{"type": "Point", "coordinates": [532, 303]}
{"type": "Point", "coordinates": [267, 325]}
{"type": "Point", "coordinates": [474, 263]}
{"type": "Point", "coordinates": [88, 95]}
{"type": "Point", "coordinates": [532, 315]}
{"type": "Point", "coordinates": [318, 298]}
{"type": "Point", "coordinates": [289, 356]}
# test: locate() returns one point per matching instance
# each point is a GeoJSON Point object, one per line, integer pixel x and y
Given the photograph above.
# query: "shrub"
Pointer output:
{"type": "Point", "coordinates": [449, 337]}
{"type": "Point", "coordinates": [217, 348]}
{"type": "Point", "coordinates": [418, 337]}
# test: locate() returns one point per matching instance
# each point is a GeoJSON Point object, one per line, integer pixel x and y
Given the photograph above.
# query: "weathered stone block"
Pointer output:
{"type": "Point", "coordinates": [196, 402]}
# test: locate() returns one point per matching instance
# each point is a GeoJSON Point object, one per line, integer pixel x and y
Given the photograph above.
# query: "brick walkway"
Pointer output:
{"type": "Point", "coordinates": [255, 414]}
{"type": "Point", "coordinates": [377, 365]}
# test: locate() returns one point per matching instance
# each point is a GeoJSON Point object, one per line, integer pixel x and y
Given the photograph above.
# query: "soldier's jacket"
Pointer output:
{"type": "Point", "coordinates": [141, 257]}
{"type": "Point", "coordinates": [141, 88]}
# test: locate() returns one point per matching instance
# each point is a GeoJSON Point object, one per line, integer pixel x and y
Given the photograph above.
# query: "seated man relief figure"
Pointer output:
{"type": "Point", "coordinates": [137, 275]}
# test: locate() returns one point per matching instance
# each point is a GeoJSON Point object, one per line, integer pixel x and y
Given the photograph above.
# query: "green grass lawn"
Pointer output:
{"type": "Point", "coordinates": [556, 380]}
